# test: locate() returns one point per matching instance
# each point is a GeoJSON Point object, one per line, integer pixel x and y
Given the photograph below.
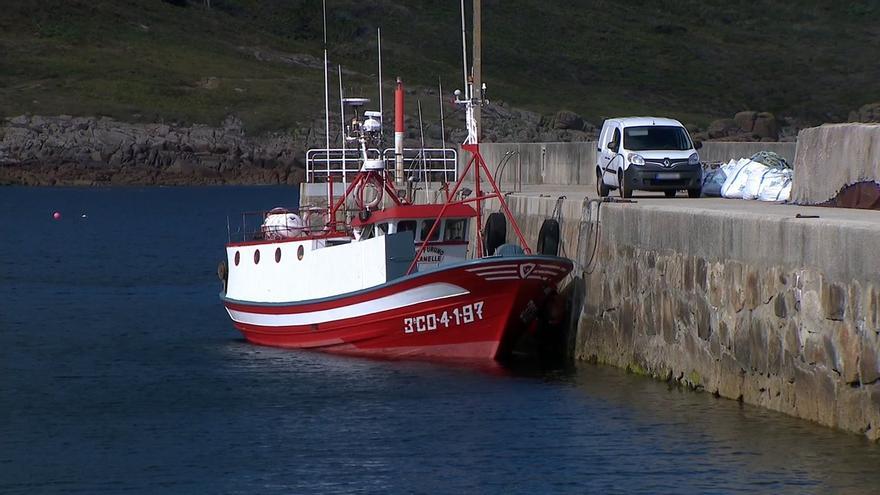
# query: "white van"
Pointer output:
{"type": "Point", "coordinates": [648, 154]}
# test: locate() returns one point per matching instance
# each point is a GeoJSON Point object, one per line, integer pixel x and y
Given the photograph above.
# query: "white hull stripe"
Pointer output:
{"type": "Point", "coordinates": [545, 271]}
{"type": "Point", "coordinates": [417, 295]}
{"type": "Point", "coordinates": [539, 272]}
{"type": "Point", "coordinates": [497, 272]}
{"type": "Point", "coordinates": [490, 268]}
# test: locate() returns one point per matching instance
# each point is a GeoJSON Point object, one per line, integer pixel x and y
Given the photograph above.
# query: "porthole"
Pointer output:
{"type": "Point", "coordinates": [300, 251]}
{"type": "Point", "coordinates": [277, 255]}
{"type": "Point", "coordinates": [257, 256]}
{"type": "Point", "coordinates": [237, 258]}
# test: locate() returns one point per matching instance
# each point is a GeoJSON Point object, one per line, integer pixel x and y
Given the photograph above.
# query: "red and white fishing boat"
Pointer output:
{"type": "Point", "coordinates": [390, 277]}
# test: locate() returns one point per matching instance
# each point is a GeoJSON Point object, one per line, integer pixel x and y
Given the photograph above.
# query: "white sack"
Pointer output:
{"type": "Point", "coordinates": [738, 176]}
{"type": "Point", "coordinates": [776, 185]}
{"type": "Point", "coordinates": [754, 182]}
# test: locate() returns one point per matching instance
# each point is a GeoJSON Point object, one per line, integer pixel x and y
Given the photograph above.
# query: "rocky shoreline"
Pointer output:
{"type": "Point", "coordinates": [93, 151]}
{"type": "Point", "coordinates": [88, 151]}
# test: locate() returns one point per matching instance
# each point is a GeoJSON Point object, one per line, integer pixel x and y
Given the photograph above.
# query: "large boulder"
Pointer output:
{"type": "Point", "coordinates": [722, 128]}
{"type": "Point", "coordinates": [746, 120]}
{"type": "Point", "coordinates": [766, 127]}
{"type": "Point", "coordinates": [568, 120]}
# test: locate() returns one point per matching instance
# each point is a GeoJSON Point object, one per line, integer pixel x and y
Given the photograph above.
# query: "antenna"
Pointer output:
{"type": "Point", "coordinates": [477, 64]}
{"type": "Point", "coordinates": [423, 175]}
{"type": "Point", "coordinates": [442, 122]}
{"type": "Point", "coordinates": [379, 49]}
{"type": "Point", "coordinates": [463, 53]}
{"type": "Point", "coordinates": [342, 125]}
{"type": "Point", "coordinates": [327, 92]}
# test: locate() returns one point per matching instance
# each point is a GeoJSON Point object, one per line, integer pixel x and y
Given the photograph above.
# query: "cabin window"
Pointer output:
{"type": "Point", "coordinates": [381, 229]}
{"type": "Point", "coordinates": [455, 229]}
{"type": "Point", "coordinates": [407, 226]}
{"type": "Point", "coordinates": [427, 225]}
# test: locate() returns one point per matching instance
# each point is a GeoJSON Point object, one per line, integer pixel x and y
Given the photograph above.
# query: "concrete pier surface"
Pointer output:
{"type": "Point", "coordinates": [742, 299]}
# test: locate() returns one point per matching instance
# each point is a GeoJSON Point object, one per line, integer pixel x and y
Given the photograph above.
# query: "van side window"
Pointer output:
{"type": "Point", "coordinates": [614, 145]}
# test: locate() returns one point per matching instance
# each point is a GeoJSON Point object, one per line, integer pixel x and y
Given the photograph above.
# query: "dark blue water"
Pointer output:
{"type": "Point", "coordinates": [119, 372]}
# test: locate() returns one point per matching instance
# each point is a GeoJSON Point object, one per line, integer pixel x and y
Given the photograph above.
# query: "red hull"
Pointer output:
{"type": "Point", "coordinates": [472, 310]}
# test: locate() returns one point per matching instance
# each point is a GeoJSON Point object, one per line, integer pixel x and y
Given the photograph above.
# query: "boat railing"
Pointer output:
{"type": "Point", "coordinates": [250, 226]}
{"type": "Point", "coordinates": [427, 164]}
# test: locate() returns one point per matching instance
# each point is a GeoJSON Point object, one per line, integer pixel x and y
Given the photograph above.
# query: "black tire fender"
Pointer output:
{"type": "Point", "coordinates": [223, 274]}
{"type": "Point", "coordinates": [548, 238]}
{"type": "Point", "coordinates": [494, 232]}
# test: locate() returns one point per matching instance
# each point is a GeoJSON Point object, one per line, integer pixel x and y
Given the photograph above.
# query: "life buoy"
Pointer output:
{"type": "Point", "coordinates": [494, 233]}
{"type": "Point", "coordinates": [548, 238]}
{"type": "Point", "coordinates": [317, 220]}
{"type": "Point", "coordinates": [373, 182]}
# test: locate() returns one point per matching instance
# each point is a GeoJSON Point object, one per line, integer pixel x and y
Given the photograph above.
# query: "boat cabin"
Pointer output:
{"type": "Point", "coordinates": [448, 243]}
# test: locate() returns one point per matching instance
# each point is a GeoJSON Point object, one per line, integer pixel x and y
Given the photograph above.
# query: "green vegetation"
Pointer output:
{"type": "Point", "coordinates": [149, 60]}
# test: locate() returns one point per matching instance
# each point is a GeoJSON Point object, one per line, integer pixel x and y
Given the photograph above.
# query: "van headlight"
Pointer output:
{"type": "Point", "coordinates": [694, 159]}
{"type": "Point", "coordinates": [636, 159]}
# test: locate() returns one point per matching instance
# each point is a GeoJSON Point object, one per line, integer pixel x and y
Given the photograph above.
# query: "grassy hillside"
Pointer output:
{"type": "Point", "coordinates": [149, 60]}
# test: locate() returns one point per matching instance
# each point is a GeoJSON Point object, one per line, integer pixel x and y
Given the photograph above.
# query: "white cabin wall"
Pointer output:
{"type": "Point", "coordinates": [321, 273]}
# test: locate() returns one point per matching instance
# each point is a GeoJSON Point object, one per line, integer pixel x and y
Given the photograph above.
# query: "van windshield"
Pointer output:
{"type": "Point", "coordinates": [656, 137]}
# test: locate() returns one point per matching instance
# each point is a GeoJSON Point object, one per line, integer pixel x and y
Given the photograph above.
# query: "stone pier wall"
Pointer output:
{"type": "Point", "coordinates": [774, 311]}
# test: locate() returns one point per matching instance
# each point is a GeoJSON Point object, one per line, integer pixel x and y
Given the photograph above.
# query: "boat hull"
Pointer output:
{"type": "Point", "coordinates": [471, 310]}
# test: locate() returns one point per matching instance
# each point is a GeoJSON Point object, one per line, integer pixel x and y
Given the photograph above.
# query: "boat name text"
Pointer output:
{"type": "Point", "coordinates": [463, 315]}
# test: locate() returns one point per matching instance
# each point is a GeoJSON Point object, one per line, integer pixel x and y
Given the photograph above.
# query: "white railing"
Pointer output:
{"type": "Point", "coordinates": [430, 164]}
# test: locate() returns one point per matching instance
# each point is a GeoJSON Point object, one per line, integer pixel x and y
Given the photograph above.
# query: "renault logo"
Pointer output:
{"type": "Point", "coordinates": [666, 162]}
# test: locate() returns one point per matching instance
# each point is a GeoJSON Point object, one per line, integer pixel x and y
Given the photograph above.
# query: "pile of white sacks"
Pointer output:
{"type": "Point", "coordinates": [765, 177]}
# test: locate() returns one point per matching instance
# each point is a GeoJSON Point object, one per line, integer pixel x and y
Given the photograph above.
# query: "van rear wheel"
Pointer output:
{"type": "Point", "coordinates": [670, 193]}
{"type": "Point", "coordinates": [695, 193]}
{"type": "Point", "coordinates": [601, 188]}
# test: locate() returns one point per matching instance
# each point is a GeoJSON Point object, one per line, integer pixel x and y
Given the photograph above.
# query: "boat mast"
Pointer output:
{"type": "Point", "coordinates": [464, 52]}
{"type": "Point", "coordinates": [442, 121]}
{"type": "Point", "coordinates": [477, 67]}
{"type": "Point", "coordinates": [472, 145]}
{"type": "Point", "coordinates": [381, 107]}
{"type": "Point", "coordinates": [423, 174]}
{"type": "Point", "coordinates": [326, 93]}
{"type": "Point", "coordinates": [342, 125]}
{"type": "Point", "coordinates": [473, 137]}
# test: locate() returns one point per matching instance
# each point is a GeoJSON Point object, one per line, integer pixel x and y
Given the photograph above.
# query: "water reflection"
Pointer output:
{"type": "Point", "coordinates": [710, 443]}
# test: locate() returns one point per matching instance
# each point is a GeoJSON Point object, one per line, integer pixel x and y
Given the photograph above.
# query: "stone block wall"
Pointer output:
{"type": "Point", "coordinates": [777, 312]}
